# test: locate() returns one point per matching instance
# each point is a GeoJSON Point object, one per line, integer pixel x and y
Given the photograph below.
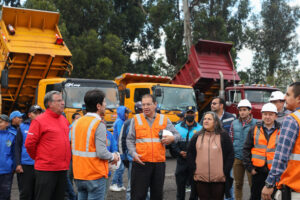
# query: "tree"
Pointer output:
{"type": "Point", "coordinates": [13, 3]}
{"type": "Point", "coordinates": [274, 41]}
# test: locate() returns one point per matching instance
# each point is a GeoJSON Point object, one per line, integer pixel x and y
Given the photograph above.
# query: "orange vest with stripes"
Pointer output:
{"type": "Point", "coordinates": [86, 164]}
{"type": "Point", "coordinates": [291, 175]}
{"type": "Point", "coordinates": [148, 144]}
{"type": "Point", "coordinates": [263, 150]}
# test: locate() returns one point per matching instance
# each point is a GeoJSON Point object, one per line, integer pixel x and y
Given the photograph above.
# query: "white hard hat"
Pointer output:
{"type": "Point", "coordinates": [269, 107]}
{"type": "Point", "coordinates": [244, 103]}
{"type": "Point", "coordinates": [277, 95]}
{"type": "Point", "coordinates": [167, 133]}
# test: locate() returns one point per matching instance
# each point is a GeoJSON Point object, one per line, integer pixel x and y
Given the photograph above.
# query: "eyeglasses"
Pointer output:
{"type": "Point", "coordinates": [147, 104]}
{"type": "Point", "coordinates": [214, 103]}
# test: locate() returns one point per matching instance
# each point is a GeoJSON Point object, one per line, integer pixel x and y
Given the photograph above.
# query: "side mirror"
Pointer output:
{"type": "Point", "coordinates": [4, 78]}
{"type": "Point", "coordinates": [157, 92]}
{"type": "Point", "coordinates": [228, 103]}
{"type": "Point", "coordinates": [127, 93]}
{"type": "Point", "coordinates": [200, 96]}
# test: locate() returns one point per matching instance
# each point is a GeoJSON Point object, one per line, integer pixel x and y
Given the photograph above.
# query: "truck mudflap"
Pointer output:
{"type": "Point", "coordinates": [30, 54]}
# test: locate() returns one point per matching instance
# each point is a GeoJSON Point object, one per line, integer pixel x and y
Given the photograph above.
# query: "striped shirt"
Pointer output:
{"type": "Point", "coordinates": [288, 136]}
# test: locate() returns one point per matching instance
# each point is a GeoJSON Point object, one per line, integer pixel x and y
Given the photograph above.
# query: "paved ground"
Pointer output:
{"type": "Point", "coordinates": [169, 186]}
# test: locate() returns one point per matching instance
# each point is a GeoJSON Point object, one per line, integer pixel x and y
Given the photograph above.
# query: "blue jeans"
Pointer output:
{"type": "Point", "coordinates": [231, 189]}
{"type": "Point", "coordinates": [91, 190]}
{"type": "Point", "coordinates": [118, 176]}
{"type": "Point", "coordinates": [5, 185]}
{"type": "Point", "coordinates": [129, 184]}
{"type": "Point", "coordinates": [70, 190]}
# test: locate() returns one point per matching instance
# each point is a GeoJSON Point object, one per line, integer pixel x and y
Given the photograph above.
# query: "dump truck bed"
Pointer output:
{"type": "Point", "coordinates": [30, 54]}
{"type": "Point", "coordinates": [127, 78]}
{"type": "Point", "coordinates": [201, 71]}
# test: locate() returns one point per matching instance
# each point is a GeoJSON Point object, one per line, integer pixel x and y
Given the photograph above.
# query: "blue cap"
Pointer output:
{"type": "Point", "coordinates": [15, 114]}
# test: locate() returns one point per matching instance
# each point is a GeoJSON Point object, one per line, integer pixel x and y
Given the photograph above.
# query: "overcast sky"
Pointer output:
{"type": "Point", "coordinates": [245, 56]}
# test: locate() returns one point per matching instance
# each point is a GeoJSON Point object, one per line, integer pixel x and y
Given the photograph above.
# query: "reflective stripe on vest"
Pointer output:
{"type": "Point", "coordinates": [263, 150]}
{"type": "Point", "coordinates": [148, 143]}
{"type": "Point", "coordinates": [291, 175]}
{"type": "Point", "coordinates": [85, 153]}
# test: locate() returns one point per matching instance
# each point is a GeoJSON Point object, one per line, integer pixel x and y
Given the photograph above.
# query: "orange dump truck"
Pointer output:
{"type": "Point", "coordinates": [31, 49]}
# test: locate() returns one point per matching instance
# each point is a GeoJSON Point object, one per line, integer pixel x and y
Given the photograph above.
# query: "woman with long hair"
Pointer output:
{"type": "Point", "coordinates": [210, 157]}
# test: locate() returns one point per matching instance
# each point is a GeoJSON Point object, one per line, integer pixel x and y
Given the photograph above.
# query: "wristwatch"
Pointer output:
{"type": "Point", "coordinates": [268, 185]}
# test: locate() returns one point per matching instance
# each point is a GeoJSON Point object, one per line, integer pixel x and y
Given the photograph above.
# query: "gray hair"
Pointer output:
{"type": "Point", "coordinates": [217, 123]}
{"type": "Point", "coordinates": [49, 97]}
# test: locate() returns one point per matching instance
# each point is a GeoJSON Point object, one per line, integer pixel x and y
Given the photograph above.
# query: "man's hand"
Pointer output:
{"type": "Point", "coordinates": [116, 159]}
{"type": "Point", "coordinates": [253, 172]}
{"type": "Point", "coordinates": [266, 193]}
{"type": "Point", "coordinates": [19, 169]}
{"type": "Point", "coordinates": [183, 154]}
{"type": "Point", "coordinates": [137, 159]}
{"type": "Point", "coordinates": [167, 139]}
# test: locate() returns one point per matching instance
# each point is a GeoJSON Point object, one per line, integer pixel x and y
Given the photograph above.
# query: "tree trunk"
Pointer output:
{"type": "Point", "coordinates": [187, 26]}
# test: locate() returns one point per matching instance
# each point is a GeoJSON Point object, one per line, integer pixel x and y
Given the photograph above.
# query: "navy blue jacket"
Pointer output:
{"type": "Point", "coordinates": [22, 157]}
{"type": "Point", "coordinates": [226, 120]}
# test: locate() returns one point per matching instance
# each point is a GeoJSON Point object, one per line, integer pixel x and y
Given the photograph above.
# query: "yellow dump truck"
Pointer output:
{"type": "Point", "coordinates": [74, 89]}
{"type": "Point", "coordinates": [34, 60]}
{"type": "Point", "coordinates": [32, 49]}
{"type": "Point", "coordinates": [171, 98]}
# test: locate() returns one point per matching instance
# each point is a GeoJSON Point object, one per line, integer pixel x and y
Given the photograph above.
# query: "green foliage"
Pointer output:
{"type": "Point", "coordinates": [103, 35]}
{"type": "Point", "coordinates": [274, 41]}
{"type": "Point", "coordinates": [13, 3]}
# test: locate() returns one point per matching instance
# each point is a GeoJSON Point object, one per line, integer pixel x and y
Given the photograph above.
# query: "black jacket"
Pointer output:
{"type": "Point", "coordinates": [228, 157]}
{"type": "Point", "coordinates": [249, 144]}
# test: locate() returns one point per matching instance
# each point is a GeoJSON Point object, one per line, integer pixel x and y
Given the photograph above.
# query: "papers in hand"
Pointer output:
{"type": "Point", "coordinates": [113, 167]}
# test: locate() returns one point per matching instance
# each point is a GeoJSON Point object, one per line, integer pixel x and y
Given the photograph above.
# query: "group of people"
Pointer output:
{"type": "Point", "coordinates": [213, 155]}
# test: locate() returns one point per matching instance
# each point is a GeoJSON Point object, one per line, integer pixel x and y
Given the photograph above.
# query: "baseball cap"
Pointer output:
{"type": "Point", "coordinates": [14, 114]}
{"type": "Point", "coordinates": [181, 114]}
{"type": "Point", "coordinates": [190, 108]}
{"type": "Point", "coordinates": [34, 108]}
{"type": "Point", "coordinates": [4, 117]}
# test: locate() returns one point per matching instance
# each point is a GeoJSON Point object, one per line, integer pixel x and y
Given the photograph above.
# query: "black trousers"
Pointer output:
{"type": "Point", "coordinates": [144, 176]}
{"type": "Point", "coordinates": [210, 191]}
{"type": "Point", "coordinates": [50, 185]}
{"type": "Point", "coordinates": [258, 182]}
{"type": "Point", "coordinates": [183, 177]}
{"type": "Point", "coordinates": [26, 182]}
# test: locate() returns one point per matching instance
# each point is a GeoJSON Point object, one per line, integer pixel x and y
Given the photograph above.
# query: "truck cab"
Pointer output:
{"type": "Point", "coordinates": [74, 89]}
{"type": "Point", "coordinates": [171, 98]}
{"type": "Point", "coordinates": [257, 94]}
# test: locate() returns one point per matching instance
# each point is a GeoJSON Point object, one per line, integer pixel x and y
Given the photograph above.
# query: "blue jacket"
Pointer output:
{"type": "Point", "coordinates": [22, 157]}
{"type": "Point", "coordinates": [111, 144]}
{"type": "Point", "coordinates": [240, 133]}
{"type": "Point", "coordinates": [226, 120]}
{"type": "Point", "coordinates": [7, 145]}
{"type": "Point", "coordinates": [119, 122]}
{"type": "Point", "coordinates": [184, 131]}
{"type": "Point", "coordinates": [122, 145]}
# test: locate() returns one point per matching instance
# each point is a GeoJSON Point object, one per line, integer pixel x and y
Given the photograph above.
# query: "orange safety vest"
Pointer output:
{"type": "Point", "coordinates": [263, 150]}
{"type": "Point", "coordinates": [86, 164]}
{"type": "Point", "coordinates": [291, 175]}
{"type": "Point", "coordinates": [148, 144]}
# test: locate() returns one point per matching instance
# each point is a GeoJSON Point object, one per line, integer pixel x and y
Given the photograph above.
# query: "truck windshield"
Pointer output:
{"type": "Point", "coordinates": [258, 96]}
{"type": "Point", "coordinates": [174, 98]}
{"type": "Point", "coordinates": [74, 96]}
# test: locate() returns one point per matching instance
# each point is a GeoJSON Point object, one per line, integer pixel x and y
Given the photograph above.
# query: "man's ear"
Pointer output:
{"type": "Point", "coordinates": [99, 106]}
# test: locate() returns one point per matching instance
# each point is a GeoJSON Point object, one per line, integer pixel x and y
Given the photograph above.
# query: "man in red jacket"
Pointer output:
{"type": "Point", "coordinates": [48, 144]}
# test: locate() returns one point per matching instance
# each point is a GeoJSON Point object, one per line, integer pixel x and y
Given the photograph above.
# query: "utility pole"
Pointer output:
{"type": "Point", "coordinates": [187, 25]}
